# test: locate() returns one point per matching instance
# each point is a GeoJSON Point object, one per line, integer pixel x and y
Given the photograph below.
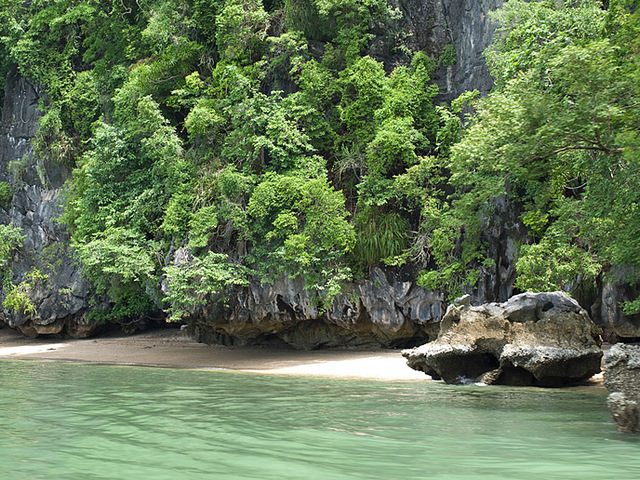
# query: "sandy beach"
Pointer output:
{"type": "Point", "coordinates": [173, 348]}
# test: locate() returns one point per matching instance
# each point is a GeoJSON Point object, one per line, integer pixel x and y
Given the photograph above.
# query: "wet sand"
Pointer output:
{"type": "Point", "coordinates": [172, 348]}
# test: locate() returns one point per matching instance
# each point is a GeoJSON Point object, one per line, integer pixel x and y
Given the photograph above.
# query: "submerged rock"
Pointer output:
{"type": "Point", "coordinates": [622, 379]}
{"type": "Point", "coordinates": [543, 339]}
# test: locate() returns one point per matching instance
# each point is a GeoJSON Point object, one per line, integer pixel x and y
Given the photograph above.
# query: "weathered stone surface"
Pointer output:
{"type": "Point", "coordinates": [382, 311]}
{"type": "Point", "coordinates": [543, 339]}
{"type": "Point", "coordinates": [61, 300]}
{"type": "Point", "coordinates": [622, 379]}
{"type": "Point", "coordinates": [613, 292]}
{"type": "Point", "coordinates": [471, 32]}
{"type": "Point", "coordinates": [502, 233]}
{"type": "Point", "coordinates": [433, 25]}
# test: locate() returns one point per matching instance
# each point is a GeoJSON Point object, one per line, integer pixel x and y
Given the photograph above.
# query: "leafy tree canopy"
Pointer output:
{"type": "Point", "coordinates": [266, 138]}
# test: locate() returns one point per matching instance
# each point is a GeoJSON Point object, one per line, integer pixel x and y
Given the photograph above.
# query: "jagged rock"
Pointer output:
{"type": "Point", "coordinates": [61, 300]}
{"type": "Point", "coordinates": [543, 339]}
{"type": "Point", "coordinates": [471, 32]}
{"type": "Point", "coordinates": [614, 291]}
{"type": "Point", "coordinates": [434, 25]}
{"type": "Point", "coordinates": [380, 311]}
{"type": "Point", "coordinates": [622, 379]}
{"type": "Point", "coordinates": [384, 310]}
{"type": "Point", "coordinates": [463, 300]}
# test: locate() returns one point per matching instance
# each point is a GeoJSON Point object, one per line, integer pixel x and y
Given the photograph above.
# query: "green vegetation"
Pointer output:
{"type": "Point", "coordinates": [6, 192]}
{"type": "Point", "coordinates": [201, 280]}
{"type": "Point", "coordinates": [10, 239]}
{"type": "Point", "coordinates": [18, 297]}
{"type": "Point", "coordinates": [265, 138]}
{"type": "Point", "coordinates": [559, 137]}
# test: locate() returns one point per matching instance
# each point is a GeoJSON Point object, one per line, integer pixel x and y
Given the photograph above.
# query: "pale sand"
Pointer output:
{"type": "Point", "coordinates": [172, 348]}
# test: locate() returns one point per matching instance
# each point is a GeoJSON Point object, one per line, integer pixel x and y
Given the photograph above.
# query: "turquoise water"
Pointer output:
{"type": "Point", "coordinates": [70, 421]}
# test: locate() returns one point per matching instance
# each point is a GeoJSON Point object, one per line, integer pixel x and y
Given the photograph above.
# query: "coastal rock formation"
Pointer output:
{"type": "Point", "coordinates": [383, 310]}
{"type": "Point", "coordinates": [376, 311]}
{"type": "Point", "coordinates": [543, 339]}
{"type": "Point", "coordinates": [60, 295]}
{"type": "Point", "coordinates": [622, 379]}
{"type": "Point", "coordinates": [613, 292]}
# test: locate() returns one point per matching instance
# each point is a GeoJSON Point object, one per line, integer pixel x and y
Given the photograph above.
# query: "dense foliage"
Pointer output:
{"type": "Point", "coordinates": [559, 137]}
{"type": "Point", "coordinates": [260, 136]}
{"type": "Point", "coordinates": [264, 138]}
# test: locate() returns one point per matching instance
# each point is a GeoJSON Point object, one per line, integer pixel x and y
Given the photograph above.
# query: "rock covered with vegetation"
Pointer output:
{"type": "Point", "coordinates": [622, 379]}
{"type": "Point", "coordinates": [262, 137]}
{"type": "Point", "coordinates": [543, 339]}
{"type": "Point", "coordinates": [385, 310]}
{"type": "Point", "coordinates": [37, 302]}
{"type": "Point", "coordinates": [209, 146]}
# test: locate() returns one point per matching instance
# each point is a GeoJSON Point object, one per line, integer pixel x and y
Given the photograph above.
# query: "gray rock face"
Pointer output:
{"type": "Point", "coordinates": [607, 309]}
{"type": "Point", "coordinates": [622, 379]}
{"type": "Point", "coordinates": [381, 311]}
{"type": "Point", "coordinates": [502, 234]}
{"type": "Point", "coordinates": [543, 339]}
{"type": "Point", "coordinates": [471, 31]}
{"type": "Point", "coordinates": [61, 299]}
{"type": "Point", "coordinates": [465, 25]}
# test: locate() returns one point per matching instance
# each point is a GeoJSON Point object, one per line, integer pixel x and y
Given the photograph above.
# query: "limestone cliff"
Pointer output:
{"type": "Point", "coordinates": [387, 309]}
{"type": "Point", "coordinates": [463, 24]}
{"type": "Point", "coordinates": [383, 310]}
{"type": "Point", "coordinates": [61, 299]}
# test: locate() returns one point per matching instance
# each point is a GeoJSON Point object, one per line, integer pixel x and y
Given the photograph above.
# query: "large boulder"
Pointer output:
{"type": "Point", "coordinates": [622, 379]}
{"type": "Point", "coordinates": [543, 339]}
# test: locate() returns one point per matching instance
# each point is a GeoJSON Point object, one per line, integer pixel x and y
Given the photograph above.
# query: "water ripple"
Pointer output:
{"type": "Point", "coordinates": [62, 421]}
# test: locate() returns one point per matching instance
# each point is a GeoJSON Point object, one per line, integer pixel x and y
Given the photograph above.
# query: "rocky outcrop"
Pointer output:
{"type": "Point", "coordinates": [381, 311]}
{"type": "Point", "coordinates": [60, 299]}
{"type": "Point", "coordinates": [502, 234]}
{"type": "Point", "coordinates": [471, 32]}
{"type": "Point", "coordinates": [386, 309]}
{"type": "Point", "coordinates": [461, 25]}
{"type": "Point", "coordinates": [543, 339]}
{"type": "Point", "coordinates": [614, 291]}
{"type": "Point", "coordinates": [622, 379]}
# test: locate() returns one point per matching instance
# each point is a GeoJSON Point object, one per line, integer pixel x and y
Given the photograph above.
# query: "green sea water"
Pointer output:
{"type": "Point", "coordinates": [72, 421]}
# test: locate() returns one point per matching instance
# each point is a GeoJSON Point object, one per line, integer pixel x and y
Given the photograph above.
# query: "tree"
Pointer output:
{"type": "Point", "coordinates": [559, 137]}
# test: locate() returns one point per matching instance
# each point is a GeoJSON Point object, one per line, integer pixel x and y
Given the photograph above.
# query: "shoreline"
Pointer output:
{"type": "Point", "coordinates": [175, 349]}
